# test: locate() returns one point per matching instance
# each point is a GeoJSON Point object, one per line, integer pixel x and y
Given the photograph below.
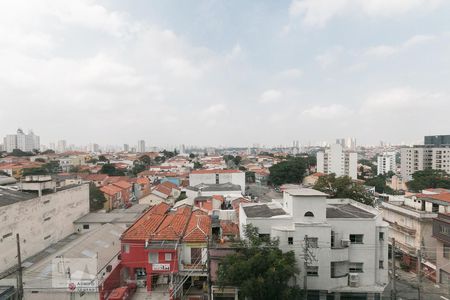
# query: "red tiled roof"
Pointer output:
{"type": "Point", "coordinates": [215, 171]}
{"type": "Point", "coordinates": [110, 189]}
{"type": "Point", "coordinates": [235, 203]}
{"type": "Point", "coordinates": [198, 229]}
{"type": "Point", "coordinates": [442, 197]}
{"type": "Point", "coordinates": [318, 174]}
{"type": "Point", "coordinates": [123, 184]}
{"type": "Point", "coordinates": [169, 185]}
{"type": "Point", "coordinates": [229, 228]}
{"type": "Point", "coordinates": [147, 224]}
{"type": "Point", "coordinates": [173, 226]}
{"type": "Point", "coordinates": [142, 180]}
{"type": "Point", "coordinates": [164, 190]}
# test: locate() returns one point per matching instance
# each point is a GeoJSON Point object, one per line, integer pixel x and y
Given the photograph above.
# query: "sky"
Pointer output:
{"type": "Point", "coordinates": [230, 73]}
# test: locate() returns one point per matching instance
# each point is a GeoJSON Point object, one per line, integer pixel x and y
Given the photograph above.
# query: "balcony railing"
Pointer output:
{"type": "Point", "coordinates": [402, 228]}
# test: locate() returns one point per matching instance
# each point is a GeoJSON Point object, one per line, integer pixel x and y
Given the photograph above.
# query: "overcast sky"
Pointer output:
{"type": "Point", "coordinates": [225, 72]}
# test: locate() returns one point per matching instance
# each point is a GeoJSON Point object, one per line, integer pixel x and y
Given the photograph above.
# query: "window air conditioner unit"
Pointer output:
{"type": "Point", "coordinates": [345, 242]}
{"type": "Point", "coordinates": [353, 279]}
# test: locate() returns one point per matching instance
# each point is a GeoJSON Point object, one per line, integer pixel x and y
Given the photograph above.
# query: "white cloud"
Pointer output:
{"type": "Point", "coordinates": [293, 73]}
{"type": "Point", "coordinates": [332, 111]}
{"type": "Point", "coordinates": [385, 50]}
{"type": "Point", "coordinates": [330, 57]}
{"type": "Point", "coordinates": [270, 96]}
{"type": "Point", "coordinates": [316, 13]}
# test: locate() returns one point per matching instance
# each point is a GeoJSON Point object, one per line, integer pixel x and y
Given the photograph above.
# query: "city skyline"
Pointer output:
{"type": "Point", "coordinates": [201, 73]}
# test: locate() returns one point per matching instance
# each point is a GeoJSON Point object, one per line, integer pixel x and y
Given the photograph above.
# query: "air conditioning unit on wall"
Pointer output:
{"type": "Point", "coordinates": [353, 279]}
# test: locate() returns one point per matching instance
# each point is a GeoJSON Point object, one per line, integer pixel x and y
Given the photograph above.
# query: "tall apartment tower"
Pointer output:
{"type": "Point", "coordinates": [141, 146]}
{"type": "Point", "coordinates": [126, 147]}
{"type": "Point", "coordinates": [21, 141]}
{"type": "Point", "coordinates": [336, 160]}
{"type": "Point", "coordinates": [386, 163]}
{"type": "Point", "coordinates": [62, 145]}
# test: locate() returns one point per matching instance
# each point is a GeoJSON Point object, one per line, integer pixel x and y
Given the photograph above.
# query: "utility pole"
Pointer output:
{"type": "Point", "coordinates": [305, 267]}
{"type": "Point", "coordinates": [419, 272]}
{"type": "Point", "coordinates": [208, 265]}
{"type": "Point", "coordinates": [19, 277]}
{"type": "Point", "coordinates": [394, 288]}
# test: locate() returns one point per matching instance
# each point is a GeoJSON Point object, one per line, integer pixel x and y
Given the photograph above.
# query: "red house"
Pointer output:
{"type": "Point", "coordinates": [150, 246]}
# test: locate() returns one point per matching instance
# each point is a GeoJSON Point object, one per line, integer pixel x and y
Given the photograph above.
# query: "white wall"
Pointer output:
{"type": "Point", "coordinates": [27, 219]}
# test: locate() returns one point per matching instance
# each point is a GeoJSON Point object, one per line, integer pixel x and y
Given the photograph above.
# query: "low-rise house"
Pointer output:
{"type": "Point", "coordinates": [235, 177]}
{"type": "Point", "coordinates": [310, 180]}
{"type": "Point", "coordinates": [113, 196]}
{"type": "Point", "coordinates": [98, 179]}
{"type": "Point", "coordinates": [224, 189]}
{"type": "Point", "coordinates": [166, 192]}
{"type": "Point", "coordinates": [410, 224]}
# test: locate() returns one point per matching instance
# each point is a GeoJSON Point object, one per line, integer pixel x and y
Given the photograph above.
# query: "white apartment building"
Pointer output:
{"type": "Point", "coordinates": [140, 146]}
{"type": "Point", "coordinates": [21, 141]}
{"type": "Point", "coordinates": [419, 158]}
{"type": "Point", "coordinates": [62, 146]}
{"type": "Point", "coordinates": [336, 160]}
{"type": "Point", "coordinates": [347, 241]}
{"type": "Point", "coordinates": [41, 217]}
{"type": "Point", "coordinates": [237, 177]}
{"type": "Point", "coordinates": [386, 163]}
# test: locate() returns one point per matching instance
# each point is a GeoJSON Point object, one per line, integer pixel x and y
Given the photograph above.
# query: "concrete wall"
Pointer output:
{"type": "Point", "coordinates": [40, 222]}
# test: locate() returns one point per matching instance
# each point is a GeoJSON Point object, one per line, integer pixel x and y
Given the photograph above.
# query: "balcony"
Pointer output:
{"type": "Point", "coordinates": [401, 228]}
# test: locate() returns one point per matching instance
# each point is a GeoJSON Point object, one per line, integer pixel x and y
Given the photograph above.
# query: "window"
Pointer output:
{"type": "Point", "coordinates": [313, 242]}
{"type": "Point", "coordinates": [196, 255]}
{"type": "Point", "coordinates": [443, 229]}
{"type": "Point", "coordinates": [126, 248]}
{"type": "Point", "coordinates": [380, 264]}
{"type": "Point", "coordinates": [355, 267]}
{"type": "Point", "coordinates": [7, 235]}
{"type": "Point", "coordinates": [312, 271]}
{"type": "Point", "coordinates": [290, 241]}
{"type": "Point", "coordinates": [85, 226]}
{"type": "Point", "coordinates": [168, 256]}
{"type": "Point", "coordinates": [446, 251]}
{"type": "Point", "coordinates": [381, 236]}
{"type": "Point", "coordinates": [332, 239]}
{"type": "Point", "coordinates": [356, 238]}
{"type": "Point", "coordinates": [153, 257]}
{"type": "Point", "coordinates": [309, 214]}
{"type": "Point", "coordinates": [217, 178]}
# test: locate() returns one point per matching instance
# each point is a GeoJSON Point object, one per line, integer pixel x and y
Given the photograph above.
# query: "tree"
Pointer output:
{"type": "Point", "coordinates": [197, 165]}
{"type": "Point", "coordinates": [39, 159]}
{"type": "Point", "coordinates": [103, 158]}
{"type": "Point", "coordinates": [289, 171]}
{"type": "Point", "coordinates": [96, 198]}
{"type": "Point", "coordinates": [380, 185]}
{"type": "Point", "coordinates": [260, 269]}
{"type": "Point", "coordinates": [18, 153]}
{"type": "Point", "coordinates": [429, 178]}
{"type": "Point", "coordinates": [52, 167]}
{"type": "Point", "coordinates": [48, 151]}
{"type": "Point", "coordinates": [138, 168]}
{"type": "Point", "coordinates": [249, 177]}
{"type": "Point", "coordinates": [343, 187]}
{"type": "Point", "coordinates": [146, 160]}
{"type": "Point", "coordinates": [111, 170]}
{"type": "Point", "coordinates": [191, 155]}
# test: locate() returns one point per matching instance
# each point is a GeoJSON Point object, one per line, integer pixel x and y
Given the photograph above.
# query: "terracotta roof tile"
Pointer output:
{"type": "Point", "coordinates": [199, 227]}
{"type": "Point", "coordinates": [173, 226]}
{"type": "Point", "coordinates": [146, 225]}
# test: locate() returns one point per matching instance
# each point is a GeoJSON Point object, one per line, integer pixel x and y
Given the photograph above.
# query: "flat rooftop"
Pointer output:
{"type": "Point", "coordinates": [305, 192]}
{"type": "Point", "coordinates": [8, 197]}
{"type": "Point", "coordinates": [263, 211]}
{"type": "Point", "coordinates": [338, 211]}
{"type": "Point", "coordinates": [215, 187]}
{"type": "Point", "coordinates": [111, 217]}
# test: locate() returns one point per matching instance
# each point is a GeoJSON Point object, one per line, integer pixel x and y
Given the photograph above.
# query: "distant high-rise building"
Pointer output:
{"type": "Point", "coordinates": [386, 163]}
{"type": "Point", "coordinates": [140, 146]}
{"type": "Point", "coordinates": [62, 145]}
{"type": "Point", "coordinates": [21, 141]}
{"type": "Point", "coordinates": [336, 160]}
{"type": "Point", "coordinates": [347, 143]}
{"type": "Point", "coordinates": [93, 147]}
{"type": "Point", "coordinates": [341, 142]}
{"type": "Point", "coordinates": [52, 146]}
{"type": "Point", "coordinates": [437, 140]}
{"type": "Point", "coordinates": [126, 147]}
